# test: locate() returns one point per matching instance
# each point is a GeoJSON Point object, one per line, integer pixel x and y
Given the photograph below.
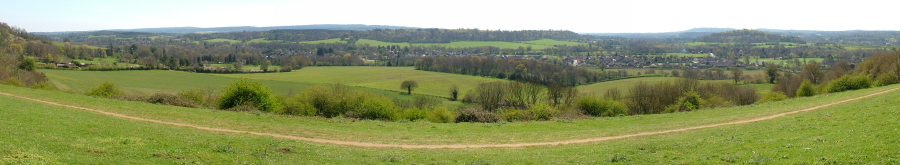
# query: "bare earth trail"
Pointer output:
{"type": "Point", "coordinates": [365, 144]}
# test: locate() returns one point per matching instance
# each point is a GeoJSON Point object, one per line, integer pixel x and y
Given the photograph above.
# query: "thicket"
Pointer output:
{"type": "Point", "coordinates": [686, 94]}
{"type": "Point", "coordinates": [531, 71]}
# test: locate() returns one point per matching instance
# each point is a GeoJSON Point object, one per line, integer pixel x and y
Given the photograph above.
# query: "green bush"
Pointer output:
{"type": "Point", "coordinates": [104, 90]}
{"type": "Point", "coordinates": [440, 114]}
{"type": "Point", "coordinates": [886, 79]}
{"type": "Point", "coordinates": [847, 82]}
{"type": "Point", "coordinates": [541, 111]}
{"type": "Point", "coordinates": [806, 89]}
{"type": "Point", "coordinates": [475, 114]}
{"type": "Point", "coordinates": [376, 107]}
{"type": "Point", "coordinates": [511, 114]}
{"type": "Point", "coordinates": [773, 96]}
{"type": "Point", "coordinates": [250, 93]}
{"type": "Point", "coordinates": [296, 106]}
{"type": "Point", "coordinates": [601, 106]}
{"type": "Point", "coordinates": [13, 81]}
{"type": "Point", "coordinates": [43, 85]}
{"type": "Point", "coordinates": [413, 114]}
{"type": "Point", "coordinates": [194, 95]}
{"type": "Point", "coordinates": [689, 101]}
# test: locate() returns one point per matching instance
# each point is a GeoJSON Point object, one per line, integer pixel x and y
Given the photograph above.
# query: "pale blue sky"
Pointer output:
{"type": "Point", "coordinates": [578, 16]}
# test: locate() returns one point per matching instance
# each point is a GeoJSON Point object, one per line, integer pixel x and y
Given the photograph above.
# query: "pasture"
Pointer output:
{"type": "Point", "coordinates": [153, 81]}
{"type": "Point", "coordinates": [853, 132]}
{"type": "Point", "coordinates": [384, 78]}
{"type": "Point", "coordinates": [535, 44]}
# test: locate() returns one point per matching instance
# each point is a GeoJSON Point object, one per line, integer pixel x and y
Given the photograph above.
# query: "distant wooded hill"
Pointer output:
{"type": "Point", "coordinates": [182, 30]}
{"type": "Point", "coordinates": [748, 36]}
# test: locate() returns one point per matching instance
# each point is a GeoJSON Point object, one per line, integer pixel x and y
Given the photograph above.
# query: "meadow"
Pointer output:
{"type": "Point", "coordinates": [384, 78]}
{"type": "Point", "coordinates": [849, 133]}
{"type": "Point", "coordinates": [624, 84]}
{"type": "Point", "coordinates": [153, 81]}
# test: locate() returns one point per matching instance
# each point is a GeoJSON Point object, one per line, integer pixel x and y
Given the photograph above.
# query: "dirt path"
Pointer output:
{"type": "Point", "coordinates": [365, 144]}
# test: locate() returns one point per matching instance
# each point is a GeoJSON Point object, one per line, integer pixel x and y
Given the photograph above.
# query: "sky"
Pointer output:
{"type": "Point", "coordinates": [597, 16]}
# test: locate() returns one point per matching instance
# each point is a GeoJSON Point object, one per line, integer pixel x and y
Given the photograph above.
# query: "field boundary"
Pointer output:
{"type": "Point", "coordinates": [426, 146]}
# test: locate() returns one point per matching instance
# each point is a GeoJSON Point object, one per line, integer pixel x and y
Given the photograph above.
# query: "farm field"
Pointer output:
{"type": "Point", "coordinates": [246, 67]}
{"type": "Point", "coordinates": [385, 78]}
{"type": "Point", "coordinates": [149, 82]}
{"type": "Point", "coordinates": [634, 71]}
{"type": "Point", "coordinates": [106, 61]}
{"type": "Point", "coordinates": [535, 45]}
{"type": "Point", "coordinates": [54, 134]}
{"type": "Point", "coordinates": [624, 84]}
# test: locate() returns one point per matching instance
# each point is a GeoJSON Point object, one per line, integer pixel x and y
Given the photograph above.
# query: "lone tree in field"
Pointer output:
{"type": "Point", "coordinates": [772, 73]}
{"type": "Point", "coordinates": [409, 85]}
{"type": "Point", "coordinates": [737, 73]}
{"type": "Point", "coordinates": [454, 92]}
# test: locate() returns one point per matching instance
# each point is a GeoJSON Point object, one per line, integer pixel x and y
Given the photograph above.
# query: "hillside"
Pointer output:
{"type": "Point", "coordinates": [748, 36]}
{"type": "Point", "coordinates": [43, 133]}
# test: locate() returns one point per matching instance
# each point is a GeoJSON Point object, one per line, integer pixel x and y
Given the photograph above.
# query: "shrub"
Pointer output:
{"type": "Point", "coordinates": [475, 114]}
{"type": "Point", "coordinates": [170, 99]}
{"type": "Point", "coordinates": [296, 106]}
{"type": "Point", "coordinates": [375, 107]}
{"type": "Point", "coordinates": [194, 95]}
{"type": "Point", "coordinates": [413, 114]}
{"type": "Point", "coordinates": [687, 102]}
{"type": "Point", "coordinates": [104, 90]}
{"type": "Point", "coordinates": [14, 82]}
{"type": "Point", "coordinates": [716, 102]}
{"type": "Point", "coordinates": [845, 83]}
{"type": "Point", "coordinates": [601, 107]}
{"type": "Point", "coordinates": [773, 96]}
{"type": "Point", "coordinates": [252, 93]}
{"type": "Point", "coordinates": [512, 114]}
{"type": "Point", "coordinates": [439, 114]}
{"type": "Point", "coordinates": [886, 79]}
{"type": "Point", "coordinates": [541, 112]}
{"type": "Point", "coordinates": [806, 89]}
{"type": "Point", "coordinates": [43, 85]}
{"type": "Point", "coordinates": [423, 102]}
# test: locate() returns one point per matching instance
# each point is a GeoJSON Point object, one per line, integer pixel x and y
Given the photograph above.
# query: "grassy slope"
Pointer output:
{"type": "Point", "coordinates": [855, 132]}
{"type": "Point", "coordinates": [387, 78]}
{"type": "Point", "coordinates": [148, 82]}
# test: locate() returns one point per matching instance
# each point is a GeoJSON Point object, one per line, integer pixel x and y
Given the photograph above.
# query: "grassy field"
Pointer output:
{"type": "Point", "coordinates": [149, 82]}
{"type": "Point", "coordinates": [246, 67]}
{"type": "Point", "coordinates": [386, 78]}
{"type": "Point", "coordinates": [106, 61]}
{"type": "Point", "coordinates": [377, 43]}
{"type": "Point", "coordinates": [625, 84]}
{"type": "Point", "coordinates": [224, 40]}
{"type": "Point", "coordinates": [333, 40]}
{"type": "Point", "coordinates": [861, 131]}
{"type": "Point", "coordinates": [549, 42]}
{"type": "Point", "coordinates": [535, 45]}
{"type": "Point", "coordinates": [634, 71]}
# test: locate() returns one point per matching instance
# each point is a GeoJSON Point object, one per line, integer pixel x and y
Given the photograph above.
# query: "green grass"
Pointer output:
{"type": "Point", "coordinates": [499, 44]}
{"type": "Point", "coordinates": [224, 40]}
{"type": "Point", "coordinates": [535, 44]}
{"type": "Point", "coordinates": [376, 43]}
{"type": "Point", "coordinates": [63, 44]}
{"type": "Point", "coordinates": [385, 78]}
{"type": "Point", "coordinates": [333, 40]}
{"type": "Point", "coordinates": [861, 131]}
{"type": "Point", "coordinates": [149, 82]}
{"type": "Point", "coordinates": [106, 61]}
{"type": "Point", "coordinates": [623, 85]}
{"type": "Point", "coordinates": [246, 67]}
